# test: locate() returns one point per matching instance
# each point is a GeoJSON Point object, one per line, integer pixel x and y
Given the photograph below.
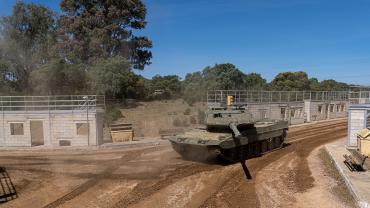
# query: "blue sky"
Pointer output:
{"type": "Point", "coordinates": [326, 38]}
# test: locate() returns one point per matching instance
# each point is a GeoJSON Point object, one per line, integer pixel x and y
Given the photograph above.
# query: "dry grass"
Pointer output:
{"type": "Point", "coordinates": [340, 189]}
{"type": "Point", "coordinates": [150, 118]}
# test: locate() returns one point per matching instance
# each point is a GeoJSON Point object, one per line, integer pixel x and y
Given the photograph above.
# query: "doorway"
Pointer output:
{"type": "Point", "coordinates": [37, 133]}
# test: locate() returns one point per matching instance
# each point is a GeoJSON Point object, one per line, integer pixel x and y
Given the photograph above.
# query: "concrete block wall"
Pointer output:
{"type": "Point", "coordinates": [293, 112]}
{"type": "Point", "coordinates": [6, 138]}
{"type": "Point", "coordinates": [57, 125]}
{"type": "Point", "coordinates": [313, 113]}
{"type": "Point", "coordinates": [63, 127]}
{"type": "Point", "coordinates": [357, 120]}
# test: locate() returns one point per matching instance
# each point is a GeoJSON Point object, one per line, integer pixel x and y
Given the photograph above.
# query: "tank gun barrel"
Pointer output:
{"type": "Point", "coordinates": [235, 130]}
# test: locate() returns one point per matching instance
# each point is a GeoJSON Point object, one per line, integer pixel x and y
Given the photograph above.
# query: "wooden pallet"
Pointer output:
{"type": "Point", "coordinates": [356, 161]}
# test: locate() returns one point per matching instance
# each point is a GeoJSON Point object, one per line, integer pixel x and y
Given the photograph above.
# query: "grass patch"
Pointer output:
{"type": "Point", "coordinates": [340, 189]}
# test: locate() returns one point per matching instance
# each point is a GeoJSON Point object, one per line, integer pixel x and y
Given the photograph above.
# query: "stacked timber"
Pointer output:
{"type": "Point", "coordinates": [121, 132]}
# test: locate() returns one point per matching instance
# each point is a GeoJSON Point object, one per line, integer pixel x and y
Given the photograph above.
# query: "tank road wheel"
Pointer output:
{"type": "Point", "coordinates": [264, 146]}
{"type": "Point", "coordinates": [229, 155]}
{"type": "Point", "coordinates": [270, 143]}
{"type": "Point", "coordinates": [277, 142]}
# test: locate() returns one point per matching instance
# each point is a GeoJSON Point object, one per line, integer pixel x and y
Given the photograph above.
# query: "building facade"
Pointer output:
{"type": "Point", "coordinates": [51, 121]}
{"type": "Point", "coordinates": [358, 119]}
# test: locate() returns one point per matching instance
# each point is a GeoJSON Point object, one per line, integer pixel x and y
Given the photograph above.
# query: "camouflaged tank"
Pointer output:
{"type": "Point", "coordinates": [231, 133]}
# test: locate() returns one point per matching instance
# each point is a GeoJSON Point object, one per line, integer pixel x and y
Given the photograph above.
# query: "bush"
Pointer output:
{"type": "Point", "coordinates": [112, 114]}
{"type": "Point", "coordinates": [201, 116]}
{"type": "Point", "coordinates": [185, 122]}
{"type": "Point", "coordinates": [187, 112]}
{"type": "Point", "coordinates": [177, 122]}
{"type": "Point", "coordinates": [193, 120]}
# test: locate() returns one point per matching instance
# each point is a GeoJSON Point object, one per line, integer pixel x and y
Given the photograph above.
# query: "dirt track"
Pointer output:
{"type": "Point", "coordinates": [158, 177]}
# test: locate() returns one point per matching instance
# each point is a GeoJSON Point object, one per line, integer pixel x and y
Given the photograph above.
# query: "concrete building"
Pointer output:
{"type": "Point", "coordinates": [322, 110]}
{"type": "Point", "coordinates": [294, 106]}
{"type": "Point", "coordinates": [289, 111]}
{"type": "Point", "coordinates": [51, 121]}
{"type": "Point", "coordinates": [358, 119]}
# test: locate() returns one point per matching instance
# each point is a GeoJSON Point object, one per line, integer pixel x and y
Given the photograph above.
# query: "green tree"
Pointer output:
{"type": "Point", "coordinates": [58, 77]}
{"type": "Point", "coordinates": [194, 88]}
{"type": "Point", "coordinates": [171, 85]}
{"type": "Point", "coordinates": [315, 84]}
{"type": "Point", "coordinates": [113, 77]}
{"type": "Point", "coordinates": [223, 76]}
{"type": "Point", "coordinates": [92, 29]}
{"type": "Point", "coordinates": [27, 36]}
{"type": "Point", "coordinates": [254, 81]}
{"type": "Point", "coordinates": [291, 81]}
{"type": "Point", "coordinates": [332, 85]}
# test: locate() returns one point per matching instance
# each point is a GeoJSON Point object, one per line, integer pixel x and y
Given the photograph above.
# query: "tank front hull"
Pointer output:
{"type": "Point", "coordinates": [196, 152]}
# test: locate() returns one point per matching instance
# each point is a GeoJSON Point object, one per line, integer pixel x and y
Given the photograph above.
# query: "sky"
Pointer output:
{"type": "Point", "coordinates": [328, 39]}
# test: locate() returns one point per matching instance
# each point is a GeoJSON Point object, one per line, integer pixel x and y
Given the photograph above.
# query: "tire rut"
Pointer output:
{"type": "Point", "coordinates": [112, 166]}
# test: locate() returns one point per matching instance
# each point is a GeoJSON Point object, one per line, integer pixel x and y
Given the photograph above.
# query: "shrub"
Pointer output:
{"type": "Point", "coordinates": [193, 120]}
{"type": "Point", "coordinates": [112, 114]}
{"type": "Point", "coordinates": [185, 122]}
{"type": "Point", "coordinates": [187, 112]}
{"type": "Point", "coordinates": [177, 122]}
{"type": "Point", "coordinates": [201, 116]}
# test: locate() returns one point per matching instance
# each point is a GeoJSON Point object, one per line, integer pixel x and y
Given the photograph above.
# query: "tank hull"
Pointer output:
{"type": "Point", "coordinates": [207, 153]}
{"type": "Point", "coordinates": [203, 145]}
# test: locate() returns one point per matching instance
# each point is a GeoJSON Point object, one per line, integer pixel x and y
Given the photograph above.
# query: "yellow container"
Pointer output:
{"type": "Point", "coordinates": [122, 136]}
{"type": "Point", "coordinates": [363, 139]}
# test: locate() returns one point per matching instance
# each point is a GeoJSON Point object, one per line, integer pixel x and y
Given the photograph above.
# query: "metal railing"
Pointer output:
{"type": "Point", "coordinates": [245, 96]}
{"type": "Point", "coordinates": [361, 97]}
{"type": "Point", "coordinates": [48, 103]}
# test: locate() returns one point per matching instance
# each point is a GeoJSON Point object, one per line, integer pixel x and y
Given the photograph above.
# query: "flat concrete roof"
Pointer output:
{"type": "Point", "coordinates": [359, 106]}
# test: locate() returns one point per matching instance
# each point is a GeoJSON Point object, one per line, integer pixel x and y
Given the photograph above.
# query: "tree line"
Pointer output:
{"type": "Point", "coordinates": [90, 47]}
{"type": "Point", "coordinates": [228, 77]}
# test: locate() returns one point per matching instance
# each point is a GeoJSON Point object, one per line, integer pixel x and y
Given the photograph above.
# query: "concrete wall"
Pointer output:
{"type": "Point", "coordinates": [318, 110]}
{"type": "Point", "coordinates": [292, 112]}
{"type": "Point", "coordinates": [357, 120]}
{"type": "Point", "coordinates": [57, 126]}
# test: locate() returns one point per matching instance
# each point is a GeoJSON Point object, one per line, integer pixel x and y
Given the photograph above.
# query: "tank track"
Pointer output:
{"type": "Point", "coordinates": [252, 150]}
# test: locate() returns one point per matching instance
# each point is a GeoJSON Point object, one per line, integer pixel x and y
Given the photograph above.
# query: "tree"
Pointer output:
{"type": "Point", "coordinates": [58, 77]}
{"type": "Point", "coordinates": [92, 29]}
{"type": "Point", "coordinates": [113, 77]}
{"type": "Point", "coordinates": [314, 84]}
{"type": "Point", "coordinates": [27, 36]}
{"type": "Point", "coordinates": [171, 85]}
{"type": "Point", "coordinates": [6, 84]}
{"type": "Point", "coordinates": [332, 85]}
{"type": "Point", "coordinates": [254, 81]}
{"type": "Point", "coordinates": [291, 81]}
{"type": "Point", "coordinates": [223, 76]}
{"type": "Point", "coordinates": [194, 88]}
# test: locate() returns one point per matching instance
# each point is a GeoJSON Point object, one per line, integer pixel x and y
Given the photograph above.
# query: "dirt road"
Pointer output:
{"type": "Point", "coordinates": [158, 177]}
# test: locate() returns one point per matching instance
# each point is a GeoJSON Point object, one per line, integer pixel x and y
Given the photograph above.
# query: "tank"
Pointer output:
{"type": "Point", "coordinates": [230, 133]}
